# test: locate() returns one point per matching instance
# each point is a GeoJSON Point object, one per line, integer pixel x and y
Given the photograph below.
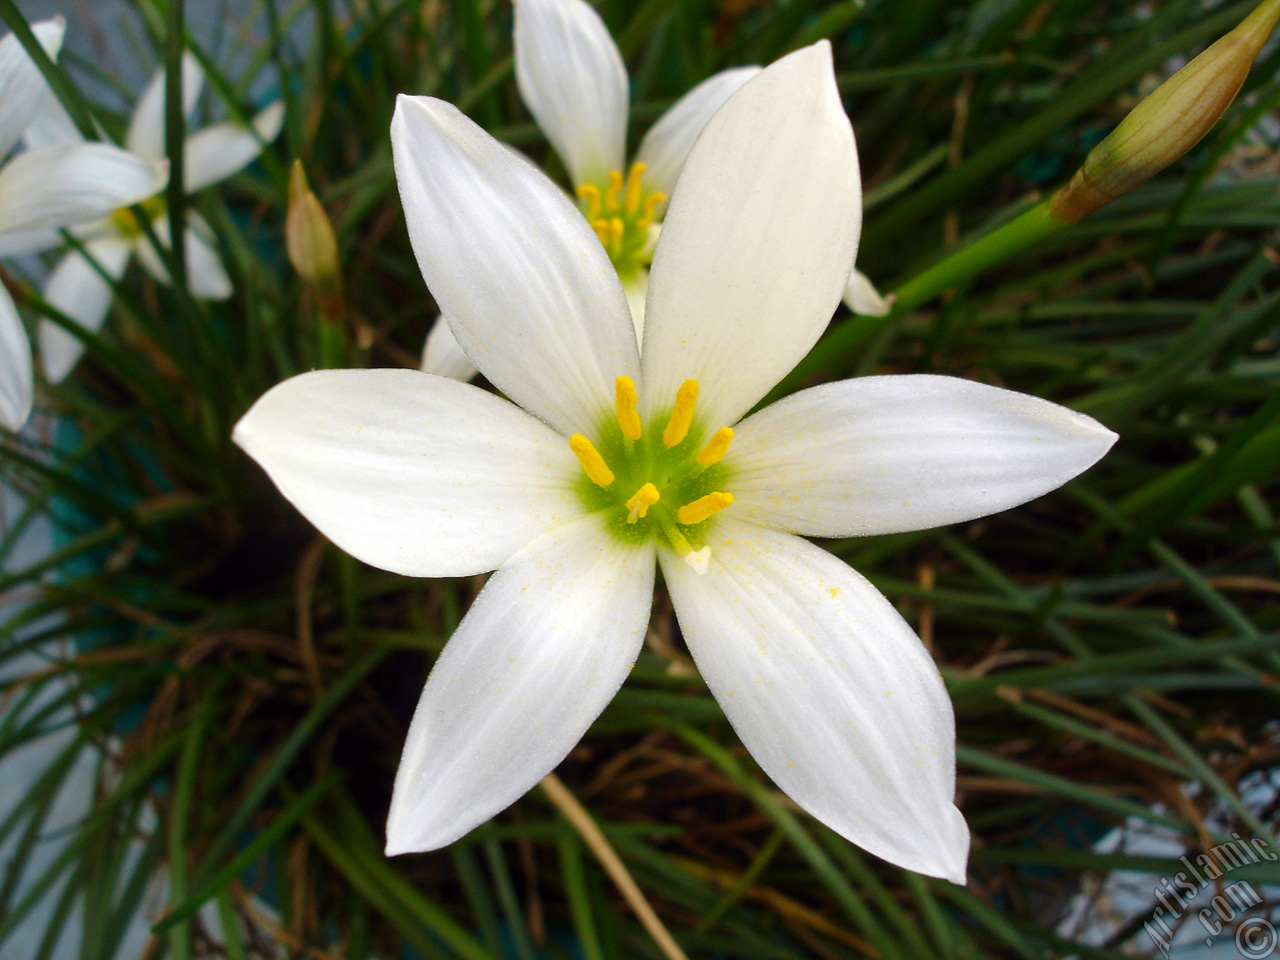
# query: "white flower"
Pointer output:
{"type": "Point", "coordinates": [572, 78]}
{"type": "Point", "coordinates": [78, 287]}
{"type": "Point", "coordinates": [43, 190]}
{"type": "Point", "coordinates": [616, 463]}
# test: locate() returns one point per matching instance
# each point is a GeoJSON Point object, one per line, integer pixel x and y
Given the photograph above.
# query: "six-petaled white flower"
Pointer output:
{"type": "Point", "coordinates": [79, 285]}
{"type": "Point", "coordinates": [43, 190]}
{"type": "Point", "coordinates": [622, 456]}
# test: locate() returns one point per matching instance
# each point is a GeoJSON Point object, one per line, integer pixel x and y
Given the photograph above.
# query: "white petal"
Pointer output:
{"type": "Point", "coordinates": [757, 243]}
{"type": "Point", "coordinates": [206, 276]}
{"type": "Point", "coordinates": [543, 649]}
{"type": "Point", "coordinates": [636, 286]}
{"type": "Point", "coordinates": [416, 474]}
{"type": "Point", "coordinates": [888, 454]}
{"type": "Point", "coordinates": [77, 289]}
{"type": "Point", "coordinates": [830, 690]}
{"type": "Point", "coordinates": [572, 79]}
{"type": "Point", "coordinates": [21, 82]}
{"type": "Point", "coordinates": [146, 126]}
{"type": "Point", "coordinates": [668, 142]}
{"type": "Point", "coordinates": [525, 282]}
{"type": "Point", "coordinates": [62, 186]}
{"type": "Point", "coordinates": [442, 356]}
{"type": "Point", "coordinates": [51, 125]}
{"type": "Point", "coordinates": [21, 243]}
{"type": "Point", "coordinates": [15, 366]}
{"type": "Point", "coordinates": [863, 298]}
{"type": "Point", "coordinates": [218, 151]}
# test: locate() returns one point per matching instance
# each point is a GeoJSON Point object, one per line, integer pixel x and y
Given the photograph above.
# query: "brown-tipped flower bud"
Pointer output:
{"type": "Point", "coordinates": [309, 237]}
{"type": "Point", "coordinates": [1168, 123]}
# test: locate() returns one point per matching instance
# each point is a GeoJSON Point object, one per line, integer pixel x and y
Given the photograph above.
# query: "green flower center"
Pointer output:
{"type": "Point", "coordinates": [127, 221]}
{"type": "Point", "coordinates": [666, 479]}
{"type": "Point", "coordinates": [622, 214]}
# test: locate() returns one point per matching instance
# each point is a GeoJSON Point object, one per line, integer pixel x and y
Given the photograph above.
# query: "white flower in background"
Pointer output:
{"type": "Point", "coordinates": [622, 456]}
{"type": "Point", "coordinates": [44, 189]}
{"type": "Point", "coordinates": [80, 289]}
{"type": "Point", "coordinates": [572, 78]}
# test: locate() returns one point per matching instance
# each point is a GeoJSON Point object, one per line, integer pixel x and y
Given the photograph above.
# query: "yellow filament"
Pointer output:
{"type": "Point", "coordinates": [703, 507]}
{"type": "Point", "coordinates": [682, 415]}
{"type": "Point", "coordinates": [632, 202]}
{"type": "Point", "coordinates": [601, 227]}
{"type": "Point", "coordinates": [716, 447]}
{"type": "Point", "coordinates": [641, 501]}
{"type": "Point", "coordinates": [625, 405]}
{"type": "Point", "coordinates": [590, 193]}
{"type": "Point", "coordinates": [614, 191]}
{"type": "Point", "coordinates": [591, 460]}
{"type": "Point", "coordinates": [650, 204]}
{"type": "Point", "coordinates": [616, 229]}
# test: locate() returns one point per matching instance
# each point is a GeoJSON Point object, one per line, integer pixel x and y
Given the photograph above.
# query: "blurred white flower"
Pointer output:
{"type": "Point", "coordinates": [79, 285]}
{"type": "Point", "coordinates": [42, 190]}
{"type": "Point", "coordinates": [622, 456]}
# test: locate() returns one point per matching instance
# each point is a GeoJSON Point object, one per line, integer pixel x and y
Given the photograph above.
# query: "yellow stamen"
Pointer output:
{"type": "Point", "coordinates": [632, 201]}
{"type": "Point", "coordinates": [590, 193]}
{"type": "Point", "coordinates": [650, 204]}
{"type": "Point", "coordinates": [641, 501]}
{"type": "Point", "coordinates": [601, 227]}
{"type": "Point", "coordinates": [616, 229]}
{"type": "Point", "coordinates": [591, 460]}
{"type": "Point", "coordinates": [703, 507]}
{"type": "Point", "coordinates": [716, 447]}
{"type": "Point", "coordinates": [614, 192]}
{"type": "Point", "coordinates": [625, 405]}
{"type": "Point", "coordinates": [682, 415]}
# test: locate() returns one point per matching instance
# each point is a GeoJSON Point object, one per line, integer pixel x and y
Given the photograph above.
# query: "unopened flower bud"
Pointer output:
{"type": "Point", "coordinates": [309, 237]}
{"type": "Point", "coordinates": [1168, 123]}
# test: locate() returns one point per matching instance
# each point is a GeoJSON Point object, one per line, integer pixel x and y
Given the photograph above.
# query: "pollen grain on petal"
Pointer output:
{"type": "Point", "coordinates": [682, 416]}
{"type": "Point", "coordinates": [597, 470]}
{"type": "Point", "coordinates": [703, 507]}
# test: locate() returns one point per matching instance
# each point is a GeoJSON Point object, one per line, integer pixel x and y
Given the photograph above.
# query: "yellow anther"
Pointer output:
{"type": "Point", "coordinates": [632, 201]}
{"type": "Point", "coordinates": [614, 192]}
{"type": "Point", "coordinates": [682, 415]}
{"type": "Point", "coordinates": [703, 507]}
{"type": "Point", "coordinates": [601, 227]}
{"type": "Point", "coordinates": [650, 204]}
{"type": "Point", "coordinates": [597, 470]}
{"type": "Point", "coordinates": [616, 229]}
{"type": "Point", "coordinates": [625, 405]}
{"type": "Point", "coordinates": [716, 447]}
{"type": "Point", "coordinates": [590, 193]}
{"type": "Point", "coordinates": [641, 501]}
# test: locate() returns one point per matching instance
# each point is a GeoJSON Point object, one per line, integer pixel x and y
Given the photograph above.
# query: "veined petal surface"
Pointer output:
{"type": "Point", "coordinates": [758, 240]}
{"type": "Point", "coordinates": [666, 146]}
{"type": "Point", "coordinates": [22, 85]}
{"type": "Point", "coordinates": [78, 289]}
{"type": "Point", "coordinates": [15, 366]}
{"type": "Point", "coordinates": [830, 690]}
{"type": "Point", "coordinates": [442, 356]}
{"type": "Point", "coordinates": [416, 474]}
{"type": "Point", "coordinates": [70, 184]}
{"type": "Point", "coordinates": [145, 136]}
{"type": "Point", "coordinates": [218, 151]}
{"type": "Point", "coordinates": [572, 79]}
{"type": "Point", "coordinates": [525, 282]}
{"type": "Point", "coordinates": [542, 650]}
{"type": "Point", "coordinates": [894, 453]}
